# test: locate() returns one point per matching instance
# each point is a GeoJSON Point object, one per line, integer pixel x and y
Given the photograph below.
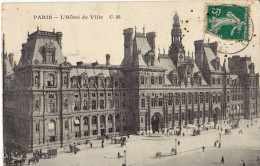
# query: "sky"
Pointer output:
{"type": "Point", "coordinates": [89, 39]}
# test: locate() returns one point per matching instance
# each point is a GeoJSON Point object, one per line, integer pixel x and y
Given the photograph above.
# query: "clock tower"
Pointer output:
{"type": "Point", "coordinates": [176, 51]}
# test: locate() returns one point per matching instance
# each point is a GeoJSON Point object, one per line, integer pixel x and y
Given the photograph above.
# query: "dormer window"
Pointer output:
{"type": "Point", "coordinates": [152, 80]}
{"type": "Point", "coordinates": [160, 80]}
{"type": "Point", "coordinates": [49, 53]}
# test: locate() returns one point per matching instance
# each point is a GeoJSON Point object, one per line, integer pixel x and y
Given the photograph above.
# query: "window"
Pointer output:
{"type": "Point", "coordinates": [213, 81]}
{"type": "Point", "coordinates": [183, 98]}
{"type": "Point", "coordinates": [142, 120]}
{"type": "Point", "coordinates": [93, 95]}
{"type": "Point", "coordinates": [94, 132]}
{"type": "Point", "coordinates": [143, 103]}
{"type": "Point", "coordinates": [37, 105]}
{"type": "Point", "coordinates": [65, 103]}
{"type": "Point", "coordinates": [109, 94]}
{"type": "Point", "coordinates": [94, 104]}
{"type": "Point", "coordinates": [152, 80]}
{"type": "Point", "coordinates": [94, 120]}
{"type": "Point", "coordinates": [110, 130]}
{"type": "Point", "coordinates": [123, 118]}
{"type": "Point", "coordinates": [160, 102]}
{"type": "Point", "coordinates": [50, 80]}
{"type": "Point", "coordinates": [219, 81]}
{"type": "Point", "coordinates": [52, 138]}
{"type": "Point", "coordinates": [176, 116]}
{"type": "Point", "coordinates": [169, 117]}
{"type": "Point", "coordinates": [49, 57]}
{"type": "Point", "coordinates": [51, 125]}
{"type": "Point", "coordinates": [142, 79]}
{"type": "Point", "coordinates": [182, 115]}
{"type": "Point", "coordinates": [102, 104]}
{"type": "Point", "coordinates": [85, 120]}
{"type": "Point", "coordinates": [110, 118]}
{"type": "Point", "coordinates": [201, 97]}
{"type": "Point", "coordinates": [160, 80]}
{"type": "Point", "coordinates": [153, 102]}
{"type": "Point", "coordinates": [101, 94]}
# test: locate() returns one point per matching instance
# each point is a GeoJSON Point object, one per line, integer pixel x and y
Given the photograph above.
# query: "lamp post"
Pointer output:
{"type": "Point", "coordinates": [125, 156]}
{"type": "Point", "coordinates": [175, 146]}
{"type": "Point", "coordinates": [219, 140]}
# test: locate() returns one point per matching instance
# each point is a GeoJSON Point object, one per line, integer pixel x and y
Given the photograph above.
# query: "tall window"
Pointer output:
{"type": "Point", "coordinates": [85, 105]}
{"type": "Point", "coordinates": [110, 118]}
{"type": "Point", "coordinates": [183, 98]}
{"type": "Point", "coordinates": [50, 80]}
{"type": "Point", "coordinates": [94, 104]}
{"type": "Point", "coordinates": [94, 120]}
{"type": "Point", "coordinates": [152, 80]}
{"type": "Point", "coordinates": [160, 101]}
{"type": "Point", "coordinates": [153, 102]}
{"type": "Point", "coordinates": [49, 57]}
{"type": "Point", "coordinates": [142, 79]}
{"type": "Point", "coordinates": [160, 80]}
{"type": "Point", "coordinates": [85, 120]}
{"type": "Point", "coordinates": [102, 104]}
{"type": "Point", "coordinates": [143, 103]}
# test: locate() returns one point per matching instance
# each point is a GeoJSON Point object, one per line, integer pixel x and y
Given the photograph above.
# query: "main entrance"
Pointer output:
{"type": "Point", "coordinates": [216, 115]}
{"type": "Point", "coordinates": [155, 123]}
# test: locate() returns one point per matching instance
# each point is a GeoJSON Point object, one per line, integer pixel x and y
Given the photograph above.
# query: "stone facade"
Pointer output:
{"type": "Point", "coordinates": [49, 102]}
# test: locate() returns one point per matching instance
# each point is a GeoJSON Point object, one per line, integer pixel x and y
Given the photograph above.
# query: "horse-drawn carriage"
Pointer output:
{"type": "Point", "coordinates": [227, 131]}
{"type": "Point", "coordinates": [196, 132]}
{"type": "Point", "coordinates": [49, 153]}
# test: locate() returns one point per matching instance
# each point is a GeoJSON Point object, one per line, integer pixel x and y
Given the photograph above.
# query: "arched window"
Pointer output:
{"type": "Point", "coordinates": [50, 80]}
{"type": "Point", "coordinates": [85, 105]}
{"type": "Point", "coordinates": [142, 79]}
{"type": "Point", "coordinates": [94, 104]}
{"type": "Point", "coordinates": [51, 106]}
{"type": "Point", "coordinates": [102, 119]}
{"type": "Point", "coordinates": [76, 105]}
{"type": "Point", "coordinates": [77, 121]}
{"type": "Point", "coordinates": [94, 120]}
{"type": "Point", "coordinates": [110, 118]}
{"type": "Point", "coordinates": [65, 80]}
{"type": "Point", "coordinates": [160, 80]}
{"type": "Point", "coordinates": [66, 124]}
{"type": "Point", "coordinates": [152, 80]}
{"type": "Point", "coordinates": [85, 120]}
{"type": "Point", "coordinates": [117, 117]}
{"type": "Point", "coordinates": [218, 81]}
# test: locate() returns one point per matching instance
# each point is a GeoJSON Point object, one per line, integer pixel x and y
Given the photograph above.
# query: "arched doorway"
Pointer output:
{"type": "Point", "coordinates": [155, 123]}
{"type": "Point", "coordinates": [216, 115]}
{"type": "Point", "coordinates": [190, 117]}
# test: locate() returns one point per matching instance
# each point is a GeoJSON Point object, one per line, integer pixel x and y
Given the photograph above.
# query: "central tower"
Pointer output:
{"type": "Point", "coordinates": [176, 51]}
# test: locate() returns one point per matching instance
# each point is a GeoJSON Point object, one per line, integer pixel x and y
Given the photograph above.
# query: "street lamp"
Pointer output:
{"type": "Point", "coordinates": [125, 156]}
{"type": "Point", "coordinates": [219, 140]}
{"type": "Point", "coordinates": [175, 146]}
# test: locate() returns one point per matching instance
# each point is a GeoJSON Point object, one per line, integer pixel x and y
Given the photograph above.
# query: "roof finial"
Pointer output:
{"type": "Point", "coordinates": [163, 51]}
{"type": "Point", "coordinates": [135, 30]}
{"type": "Point", "coordinates": [28, 33]}
{"type": "Point", "coordinates": [53, 30]}
{"type": "Point", "coordinates": [37, 28]}
{"type": "Point", "coordinates": [159, 49]}
{"type": "Point", "coordinates": [192, 55]}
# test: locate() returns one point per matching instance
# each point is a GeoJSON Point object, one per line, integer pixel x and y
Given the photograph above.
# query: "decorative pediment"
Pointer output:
{"type": "Point", "coordinates": [84, 74]}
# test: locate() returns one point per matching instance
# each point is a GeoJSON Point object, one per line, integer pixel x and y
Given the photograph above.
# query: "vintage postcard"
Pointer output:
{"type": "Point", "coordinates": [131, 83]}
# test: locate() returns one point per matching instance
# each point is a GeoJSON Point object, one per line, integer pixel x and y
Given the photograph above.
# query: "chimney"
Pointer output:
{"type": "Point", "coordinates": [11, 59]}
{"type": "Point", "coordinates": [59, 39]}
{"type": "Point", "coordinates": [108, 60]}
{"type": "Point", "coordinates": [3, 44]}
{"type": "Point", "coordinates": [151, 39]}
{"type": "Point", "coordinates": [214, 47]}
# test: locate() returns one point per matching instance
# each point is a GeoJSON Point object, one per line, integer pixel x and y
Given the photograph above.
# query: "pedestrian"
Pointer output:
{"type": "Point", "coordinates": [244, 164]}
{"type": "Point", "coordinates": [247, 126]}
{"type": "Point", "coordinates": [183, 134]}
{"type": "Point", "coordinates": [179, 143]}
{"type": "Point", "coordinates": [103, 141]}
{"type": "Point", "coordinates": [118, 155]}
{"type": "Point", "coordinates": [222, 160]}
{"type": "Point", "coordinates": [163, 132]}
{"type": "Point", "coordinates": [203, 148]}
{"type": "Point", "coordinates": [102, 145]}
{"type": "Point", "coordinates": [91, 144]}
{"type": "Point", "coordinates": [127, 135]}
{"type": "Point", "coordinates": [121, 144]}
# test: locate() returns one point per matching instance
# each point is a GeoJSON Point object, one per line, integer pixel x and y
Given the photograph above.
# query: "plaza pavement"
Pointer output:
{"type": "Point", "coordinates": [141, 150]}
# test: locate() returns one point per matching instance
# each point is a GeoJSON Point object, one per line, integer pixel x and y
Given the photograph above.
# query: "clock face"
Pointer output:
{"type": "Point", "coordinates": [180, 57]}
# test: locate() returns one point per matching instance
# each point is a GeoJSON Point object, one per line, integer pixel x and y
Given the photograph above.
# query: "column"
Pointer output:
{"type": "Point", "coordinates": [121, 125]}
{"type": "Point", "coordinates": [89, 125]}
{"type": "Point", "coordinates": [106, 123]}
{"type": "Point", "coordinates": [192, 105]}
{"type": "Point", "coordinates": [114, 123]}
{"type": "Point", "coordinates": [173, 112]}
{"type": "Point", "coordinates": [98, 124]}
{"type": "Point", "coordinates": [81, 126]}
{"type": "Point", "coordinates": [186, 109]}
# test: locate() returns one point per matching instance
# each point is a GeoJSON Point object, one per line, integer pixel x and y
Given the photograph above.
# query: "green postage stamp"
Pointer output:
{"type": "Point", "coordinates": [228, 22]}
